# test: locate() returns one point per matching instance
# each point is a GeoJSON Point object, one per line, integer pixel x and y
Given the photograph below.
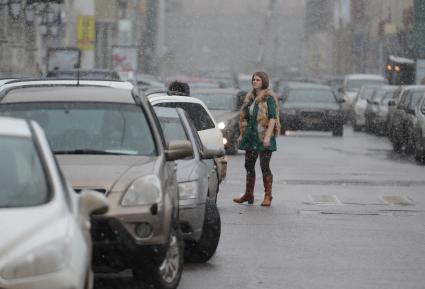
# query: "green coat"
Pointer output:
{"type": "Point", "coordinates": [250, 140]}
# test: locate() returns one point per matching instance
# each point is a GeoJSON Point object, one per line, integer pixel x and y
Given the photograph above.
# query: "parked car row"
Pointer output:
{"type": "Point", "coordinates": [407, 121]}
{"type": "Point", "coordinates": [157, 169]}
{"type": "Point", "coordinates": [396, 112]}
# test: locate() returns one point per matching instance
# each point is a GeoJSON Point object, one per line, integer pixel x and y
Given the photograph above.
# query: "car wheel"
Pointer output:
{"type": "Point", "coordinates": [202, 250]}
{"type": "Point", "coordinates": [338, 131]}
{"type": "Point", "coordinates": [396, 145]}
{"type": "Point", "coordinates": [164, 272]}
{"type": "Point", "coordinates": [419, 151]}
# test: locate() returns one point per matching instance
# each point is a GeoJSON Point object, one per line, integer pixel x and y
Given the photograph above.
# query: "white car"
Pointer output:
{"type": "Point", "coordinates": [351, 86]}
{"type": "Point", "coordinates": [360, 104]}
{"type": "Point", "coordinates": [45, 241]}
{"type": "Point", "coordinates": [210, 134]}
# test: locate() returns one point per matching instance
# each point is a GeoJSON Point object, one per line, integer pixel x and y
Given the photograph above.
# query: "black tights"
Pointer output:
{"type": "Point", "coordinates": [251, 158]}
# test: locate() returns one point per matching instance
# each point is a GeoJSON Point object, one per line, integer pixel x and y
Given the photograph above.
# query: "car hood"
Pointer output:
{"type": "Point", "coordinates": [311, 106]}
{"type": "Point", "coordinates": [104, 172]}
{"type": "Point", "coordinates": [34, 226]}
{"type": "Point", "coordinates": [223, 115]}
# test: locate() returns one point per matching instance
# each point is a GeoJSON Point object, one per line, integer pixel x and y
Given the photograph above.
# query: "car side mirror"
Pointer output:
{"type": "Point", "coordinates": [178, 149]}
{"type": "Point", "coordinates": [340, 100]}
{"type": "Point", "coordinates": [391, 103]}
{"type": "Point", "coordinates": [92, 203]}
{"type": "Point", "coordinates": [211, 154]}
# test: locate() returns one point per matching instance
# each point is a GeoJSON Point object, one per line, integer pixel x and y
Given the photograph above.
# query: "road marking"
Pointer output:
{"type": "Point", "coordinates": [397, 200]}
{"type": "Point", "coordinates": [324, 200]}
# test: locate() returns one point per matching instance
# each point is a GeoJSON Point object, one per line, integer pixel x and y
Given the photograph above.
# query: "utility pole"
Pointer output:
{"type": "Point", "coordinates": [419, 31]}
{"type": "Point", "coordinates": [264, 33]}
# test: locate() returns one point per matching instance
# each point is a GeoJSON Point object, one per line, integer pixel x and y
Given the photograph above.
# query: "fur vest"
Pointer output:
{"type": "Point", "coordinates": [262, 118]}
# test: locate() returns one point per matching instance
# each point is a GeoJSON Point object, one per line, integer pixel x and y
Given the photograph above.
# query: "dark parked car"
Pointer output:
{"type": "Point", "coordinates": [403, 118]}
{"type": "Point", "coordinates": [224, 105]}
{"type": "Point", "coordinates": [310, 107]}
{"type": "Point", "coordinates": [419, 132]}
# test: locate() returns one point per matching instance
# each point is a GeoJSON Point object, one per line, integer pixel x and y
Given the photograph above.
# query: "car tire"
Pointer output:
{"type": "Point", "coordinates": [397, 145]}
{"type": "Point", "coordinates": [164, 270]}
{"type": "Point", "coordinates": [338, 131]}
{"type": "Point", "coordinates": [202, 250]}
{"type": "Point", "coordinates": [356, 127]}
{"type": "Point", "coordinates": [419, 151]}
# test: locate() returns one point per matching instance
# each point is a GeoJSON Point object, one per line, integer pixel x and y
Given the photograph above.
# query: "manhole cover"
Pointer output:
{"type": "Point", "coordinates": [324, 200]}
{"type": "Point", "coordinates": [397, 200]}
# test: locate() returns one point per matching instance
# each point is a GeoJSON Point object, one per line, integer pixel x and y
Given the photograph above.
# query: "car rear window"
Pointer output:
{"type": "Point", "coordinates": [197, 113]}
{"type": "Point", "coordinates": [22, 177]}
{"type": "Point", "coordinates": [89, 128]}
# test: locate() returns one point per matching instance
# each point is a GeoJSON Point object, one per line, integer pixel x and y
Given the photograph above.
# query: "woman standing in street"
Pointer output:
{"type": "Point", "coordinates": [259, 125]}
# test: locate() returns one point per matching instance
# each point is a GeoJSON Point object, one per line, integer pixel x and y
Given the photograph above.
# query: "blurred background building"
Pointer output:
{"type": "Point", "coordinates": [315, 38]}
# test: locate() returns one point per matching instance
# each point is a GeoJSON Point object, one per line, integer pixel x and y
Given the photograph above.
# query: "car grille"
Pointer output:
{"type": "Point", "coordinates": [311, 114]}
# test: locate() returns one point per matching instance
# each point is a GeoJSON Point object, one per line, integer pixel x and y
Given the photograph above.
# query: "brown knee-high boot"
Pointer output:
{"type": "Point", "coordinates": [268, 182]}
{"type": "Point", "coordinates": [249, 192]}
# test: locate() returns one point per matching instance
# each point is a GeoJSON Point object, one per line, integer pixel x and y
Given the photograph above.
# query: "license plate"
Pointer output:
{"type": "Point", "coordinates": [312, 120]}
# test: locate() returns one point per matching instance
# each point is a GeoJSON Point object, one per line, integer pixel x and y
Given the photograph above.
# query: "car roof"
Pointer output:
{"type": "Point", "coordinates": [52, 82]}
{"type": "Point", "coordinates": [14, 127]}
{"type": "Point", "coordinates": [68, 94]}
{"type": "Point", "coordinates": [297, 85]}
{"type": "Point", "coordinates": [388, 87]}
{"type": "Point", "coordinates": [413, 87]}
{"type": "Point", "coordinates": [214, 91]}
{"type": "Point", "coordinates": [364, 76]}
{"type": "Point", "coordinates": [164, 97]}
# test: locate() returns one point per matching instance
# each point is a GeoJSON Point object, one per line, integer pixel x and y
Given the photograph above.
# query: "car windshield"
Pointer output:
{"type": "Point", "coordinates": [416, 98]}
{"type": "Point", "coordinates": [218, 101]}
{"type": "Point", "coordinates": [311, 95]}
{"type": "Point", "coordinates": [22, 177]}
{"type": "Point", "coordinates": [89, 128]}
{"type": "Point", "coordinates": [387, 97]}
{"type": "Point", "coordinates": [356, 84]}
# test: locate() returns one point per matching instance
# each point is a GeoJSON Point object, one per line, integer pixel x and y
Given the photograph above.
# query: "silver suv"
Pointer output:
{"type": "Point", "coordinates": [196, 177]}
{"type": "Point", "coordinates": [109, 140]}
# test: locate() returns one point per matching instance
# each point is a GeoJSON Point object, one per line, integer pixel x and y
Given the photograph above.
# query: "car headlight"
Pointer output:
{"type": "Point", "coordinates": [44, 260]}
{"type": "Point", "coordinates": [188, 190]}
{"type": "Point", "coordinates": [221, 125]}
{"type": "Point", "coordinates": [143, 191]}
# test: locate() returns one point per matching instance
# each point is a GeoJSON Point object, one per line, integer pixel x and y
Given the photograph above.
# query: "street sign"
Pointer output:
{"type": "Point", "coordinates": [85, 32]}
{"type": "Point", "coordinates": [63, 58]}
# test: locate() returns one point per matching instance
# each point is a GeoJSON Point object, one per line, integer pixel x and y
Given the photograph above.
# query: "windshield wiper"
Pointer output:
{"type": "Point", "coordinates": [89, 152]}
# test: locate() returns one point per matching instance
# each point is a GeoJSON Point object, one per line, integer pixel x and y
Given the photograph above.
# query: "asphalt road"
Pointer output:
{"type": "Point", "coordinates": [347, 213]}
